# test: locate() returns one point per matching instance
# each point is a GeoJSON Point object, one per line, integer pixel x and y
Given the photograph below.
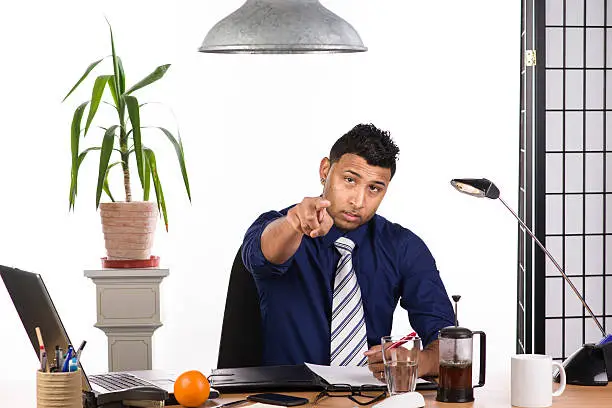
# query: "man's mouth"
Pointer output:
{"type": "Point", "coordinates": [350, 217]}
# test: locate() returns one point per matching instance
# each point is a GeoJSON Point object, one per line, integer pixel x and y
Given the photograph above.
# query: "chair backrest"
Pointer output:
{"type": "Point", "coordinates": [241, 336]}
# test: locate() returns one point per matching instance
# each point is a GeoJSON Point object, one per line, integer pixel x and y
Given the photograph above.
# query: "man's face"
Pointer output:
{"type": "Point", "coordinates": [354, 188]}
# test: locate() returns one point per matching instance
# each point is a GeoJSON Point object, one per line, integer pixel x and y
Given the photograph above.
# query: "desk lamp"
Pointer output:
{"type": "Point", "coordinates": [587, 365]}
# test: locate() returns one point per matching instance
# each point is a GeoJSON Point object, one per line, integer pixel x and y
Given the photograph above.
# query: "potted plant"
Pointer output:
{"type": "Point", "coordinates": [128, 226]}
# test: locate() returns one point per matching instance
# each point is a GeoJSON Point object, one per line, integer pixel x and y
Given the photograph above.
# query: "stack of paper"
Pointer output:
{"type": "Point", "coordinates": [352, 375]}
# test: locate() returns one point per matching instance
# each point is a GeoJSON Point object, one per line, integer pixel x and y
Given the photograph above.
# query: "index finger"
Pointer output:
{"type": "Point", "coordinates": [322, 203]}
{"type": "Point", "coordinates": [374, 355]}
{"type": "Point", "coordinates": [373, 350]}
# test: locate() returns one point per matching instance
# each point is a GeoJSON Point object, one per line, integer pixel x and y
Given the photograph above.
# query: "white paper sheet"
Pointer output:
{"type": "Point", "coordinates": [355, 376]}
{"type": "Point", "coordinates": [260, 405]}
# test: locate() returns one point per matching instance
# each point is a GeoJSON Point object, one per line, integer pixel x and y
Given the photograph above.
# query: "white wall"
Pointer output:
{"type": "Point", "coordinates": [442, 76]}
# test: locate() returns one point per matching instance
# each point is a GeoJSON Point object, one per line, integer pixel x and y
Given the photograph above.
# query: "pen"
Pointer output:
{"type": "Point", "coordinates": [60, 360]}
{"type": "Point", "coordinates": [403, 340]}
{"type": "Point", "coordinates": [58, 357]}
{"type": "Point", "coordinates": [43, 359]}
{"type": "Point", "coordinates": [80, 350]}
{"type": "Point", "coordinates": [230, 404]}
{"type": "Point", "coordinates": [67, 359]}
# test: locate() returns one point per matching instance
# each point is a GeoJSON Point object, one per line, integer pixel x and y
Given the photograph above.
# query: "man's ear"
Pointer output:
{"type": "Point", "coordinates": [324, 168]}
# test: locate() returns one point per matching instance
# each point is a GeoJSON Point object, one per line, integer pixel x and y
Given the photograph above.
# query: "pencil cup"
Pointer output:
{"type": "Point", "coordinates": [54, 390]}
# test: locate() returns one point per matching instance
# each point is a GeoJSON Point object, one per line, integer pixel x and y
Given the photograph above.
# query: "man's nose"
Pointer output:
{"type": "Point", "coordinates": [358, 198]}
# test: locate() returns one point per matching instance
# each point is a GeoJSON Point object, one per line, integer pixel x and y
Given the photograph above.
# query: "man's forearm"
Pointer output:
{"type": "Point", "coordinates": [279, 241]}
{"type": "Point", "coordinates": [429, 360]}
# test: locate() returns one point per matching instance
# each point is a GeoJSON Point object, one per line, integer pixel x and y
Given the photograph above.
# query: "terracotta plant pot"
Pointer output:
{"type": "Point", "coordinates": [129, 229]}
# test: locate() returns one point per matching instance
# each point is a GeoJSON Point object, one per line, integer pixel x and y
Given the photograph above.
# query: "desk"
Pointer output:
{"type": "Point", "coordinates": [574, 396]}
{"type": "Point", "coordinates": [22, 393]}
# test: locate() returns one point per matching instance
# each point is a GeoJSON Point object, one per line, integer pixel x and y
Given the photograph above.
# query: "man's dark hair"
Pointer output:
{"type": "Point", "coordinates": [369, 142]}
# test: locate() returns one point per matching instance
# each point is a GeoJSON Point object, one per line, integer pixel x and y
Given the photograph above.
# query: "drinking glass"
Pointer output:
{"type": "Point", "coordinates": [400, 359]}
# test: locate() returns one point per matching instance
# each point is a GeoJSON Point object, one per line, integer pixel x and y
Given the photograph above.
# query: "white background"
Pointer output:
{"type": "Point", "coordinates": [442, 76]}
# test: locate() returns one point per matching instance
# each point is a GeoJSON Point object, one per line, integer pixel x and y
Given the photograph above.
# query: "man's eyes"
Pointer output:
{"type": "Point", "coordinates": [373, 188]}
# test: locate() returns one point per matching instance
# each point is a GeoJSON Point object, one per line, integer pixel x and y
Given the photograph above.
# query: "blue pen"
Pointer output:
{"type": "Point", "coordinates": [68, 358]}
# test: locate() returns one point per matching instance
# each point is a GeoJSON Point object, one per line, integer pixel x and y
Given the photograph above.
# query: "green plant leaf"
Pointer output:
{"type": "Point", "coordinates": [113, 87]}
{"type": "Point", "coordinates": [105, 153]}
{"type": "Point", "coordinates": [134, 114]}
{"type": "Point", "coordinates": [178, 148]}
{"type": "Point", "coordinates": [116, 69]}
{"type": "Point", "coordinates": [149, 79]}
{"type": "Point", "coordinates": [121, 76]}
{"type": "Point", "coordinates": [75, 132]}
{"type": "Point", "coordinates": [74, 180]}
{"type": "Point", "coordinates": [87, 71]}
{"type": "Point", "coordinates": [146, 188]}
{"type": "Point", "coordinates": [96, 96]}
{"type": "Point", "coordinates": [118, 77]}
{"type": "Point", "coordinates": [84, 153]}
{"type": "Point", "coordinates": [106, 186]}
{"type": "Point", "coordinates": [161, 203]}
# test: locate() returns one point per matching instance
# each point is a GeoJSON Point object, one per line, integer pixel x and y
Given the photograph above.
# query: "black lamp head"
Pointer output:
{"type": "Point", "coordinates": [476, 187]}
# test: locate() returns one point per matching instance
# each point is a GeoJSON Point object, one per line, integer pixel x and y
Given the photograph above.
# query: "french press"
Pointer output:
{"type": "Point", "coordinates": [456, 343]}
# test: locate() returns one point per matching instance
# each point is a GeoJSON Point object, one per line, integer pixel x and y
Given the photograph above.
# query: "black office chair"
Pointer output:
{"type": "Point", "coordinates": [241, 337]}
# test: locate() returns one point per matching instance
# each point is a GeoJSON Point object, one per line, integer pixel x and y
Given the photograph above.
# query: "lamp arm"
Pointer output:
{"type": "Point", "coordinates": [557, 265]}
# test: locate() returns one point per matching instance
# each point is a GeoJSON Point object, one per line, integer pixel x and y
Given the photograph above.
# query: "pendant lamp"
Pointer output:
{"type": "Point", "coordinates": [282, 27]}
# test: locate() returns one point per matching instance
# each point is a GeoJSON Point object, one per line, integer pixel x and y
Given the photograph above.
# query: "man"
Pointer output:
{"type": "Point", "coordinates": [330, 271]}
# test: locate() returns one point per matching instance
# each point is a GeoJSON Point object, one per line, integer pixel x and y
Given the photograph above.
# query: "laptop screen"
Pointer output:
{"type": "Point", "coordinates": [36, 309]}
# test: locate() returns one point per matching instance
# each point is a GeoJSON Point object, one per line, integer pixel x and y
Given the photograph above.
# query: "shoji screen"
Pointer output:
{"type": "Point", "coordinates": [572, 178]}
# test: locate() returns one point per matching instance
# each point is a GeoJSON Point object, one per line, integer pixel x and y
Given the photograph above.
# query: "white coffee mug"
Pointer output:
{"type": "Point", "coordinates": [532, 379]}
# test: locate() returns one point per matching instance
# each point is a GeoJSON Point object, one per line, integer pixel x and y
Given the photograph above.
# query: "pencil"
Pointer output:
{"type": "Point", "coordinates": [44, 363]}
{"type": "Point", "coordinates": [39, 335]}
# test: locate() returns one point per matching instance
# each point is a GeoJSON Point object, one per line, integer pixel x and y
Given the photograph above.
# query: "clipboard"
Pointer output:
{"type": "Point", "coordinates": [276, 378]}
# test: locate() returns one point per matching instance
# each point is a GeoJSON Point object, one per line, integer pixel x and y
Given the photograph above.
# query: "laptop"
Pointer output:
{"type": "Point", "coordinates": [36, 309]}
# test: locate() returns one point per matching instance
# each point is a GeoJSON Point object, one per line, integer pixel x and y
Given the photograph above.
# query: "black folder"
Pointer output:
{"type": "Point", "coordinates": [267, 378]}
{"type": "Point", "coordinates": [275, 378]}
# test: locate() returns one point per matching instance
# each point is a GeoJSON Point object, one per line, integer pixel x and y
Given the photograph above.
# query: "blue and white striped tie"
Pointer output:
{"type": "Point", "coordinates": [348, 329]}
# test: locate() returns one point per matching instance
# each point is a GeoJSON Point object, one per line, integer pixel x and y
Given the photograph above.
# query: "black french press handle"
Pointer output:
{"type": "Point", "coordinates": [483, 358]}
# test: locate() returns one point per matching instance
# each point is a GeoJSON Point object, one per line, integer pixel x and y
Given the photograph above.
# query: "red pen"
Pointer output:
{"type": "Point", "coordinates": [403, 340]}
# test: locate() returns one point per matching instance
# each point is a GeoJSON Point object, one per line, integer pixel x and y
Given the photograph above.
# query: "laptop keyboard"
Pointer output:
{"type": "Point", "coordinates": [117, 381]}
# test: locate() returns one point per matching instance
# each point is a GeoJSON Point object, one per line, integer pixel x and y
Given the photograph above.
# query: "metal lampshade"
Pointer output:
{"type": "Point", "coordinates": [282, 27]}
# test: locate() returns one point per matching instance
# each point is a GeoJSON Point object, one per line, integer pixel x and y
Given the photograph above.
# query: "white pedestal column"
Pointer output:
{"type": "Point", "coordinates": [127, 305]}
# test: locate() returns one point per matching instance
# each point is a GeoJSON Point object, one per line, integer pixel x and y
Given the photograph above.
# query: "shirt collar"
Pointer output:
{"type": "Point", "coordinates": [355, 235]}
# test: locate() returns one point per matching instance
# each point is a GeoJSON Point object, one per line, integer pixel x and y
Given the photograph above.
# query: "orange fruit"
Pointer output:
{"type": "Point", "coordinates": [191, 389]}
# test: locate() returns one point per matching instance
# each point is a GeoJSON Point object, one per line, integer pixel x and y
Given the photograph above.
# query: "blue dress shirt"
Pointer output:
{"type": "Point", "coordinates": [391, 263]}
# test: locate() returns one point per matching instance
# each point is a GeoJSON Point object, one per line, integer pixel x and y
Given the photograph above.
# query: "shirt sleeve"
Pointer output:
{"type": "Point", "coordinates": [252, 256]}
{"type": "Point", "coordinates": [423, 293]}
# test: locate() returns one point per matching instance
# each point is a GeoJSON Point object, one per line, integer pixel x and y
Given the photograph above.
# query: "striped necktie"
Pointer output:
{"type": "Point", "coordinates": [348, 329]}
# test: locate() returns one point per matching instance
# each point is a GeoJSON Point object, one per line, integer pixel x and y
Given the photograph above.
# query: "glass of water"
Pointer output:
{"type": "Point", "coordinates": [400, 359]}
